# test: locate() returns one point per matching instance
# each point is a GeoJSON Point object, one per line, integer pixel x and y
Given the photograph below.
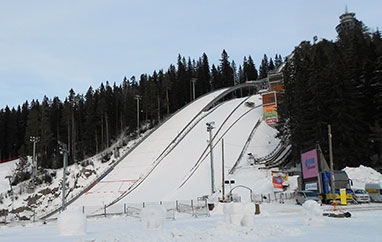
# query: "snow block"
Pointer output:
{"type": "Point", "coordinates": [313, 213]}
{"type": "Point", "coordinates": [72, 222]}
{"type": "Point", "coordinates": [153, 217]}
{"type": "Point", "coordinates": [239, 214]}
{"type": "Point", "coordinates": [249, 215]}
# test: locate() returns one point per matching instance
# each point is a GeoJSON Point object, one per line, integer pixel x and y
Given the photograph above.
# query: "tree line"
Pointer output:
{"type": "Point", "coordinates": [338, 83]}
{"type": "Point", "coordinates": [88, 123]}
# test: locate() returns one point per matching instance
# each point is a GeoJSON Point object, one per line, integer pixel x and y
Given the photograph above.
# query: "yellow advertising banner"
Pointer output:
{"type": "Point", "coordinates": [270, 113]}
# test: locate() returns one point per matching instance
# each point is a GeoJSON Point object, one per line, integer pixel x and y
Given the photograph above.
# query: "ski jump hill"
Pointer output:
{"type": "Point", "coordinates": [173, 162]}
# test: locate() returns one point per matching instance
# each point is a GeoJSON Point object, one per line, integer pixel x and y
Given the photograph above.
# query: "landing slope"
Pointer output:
{"type": "Point", "coordinates": [141, 160]}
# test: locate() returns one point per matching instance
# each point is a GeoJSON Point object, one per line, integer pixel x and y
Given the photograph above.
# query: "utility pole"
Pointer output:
{"type": "Point", "coordinates": [193, 80]}
{"type": "Point", "coordinates": [209, 129]}
{"type": "Point", "coordinates": [137, 97]}
{"type": "Point", "coordinates": [34, 139]}
{"type": "Point", "coordinates": [64, 152]}
{"type": "Point", "coordinates": [223, 191]}
{"type": "Point", "coordinates": [331, 165]}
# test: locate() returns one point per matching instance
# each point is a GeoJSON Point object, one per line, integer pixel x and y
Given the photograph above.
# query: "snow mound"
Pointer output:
{"type": "Point", "coordinates": [313, 213]}
{"type": "Point", "coordinates": [239, 213]}
{"type": "Point", "coordinates": [153, 217]}
{"type": "Point", "coordinates": [362, 175]}
{"type": "Point", "coordinates": [72, 222]}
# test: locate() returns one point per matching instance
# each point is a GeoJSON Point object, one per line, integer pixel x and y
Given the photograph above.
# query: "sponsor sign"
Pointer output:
{"type": "Point", "coordinates": [277, 182]}
{"type": "Point", "coordinates": [309, 164]}
{"type": "Point", "coordinates": [270, 113]}
{"type": "Point", "coordinates": [311, 186]}
{"type": "Point", "coordinates": [269, 98]}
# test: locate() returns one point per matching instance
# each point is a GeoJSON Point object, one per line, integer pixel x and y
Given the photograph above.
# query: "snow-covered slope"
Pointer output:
{"type": "Point", "coordinates": [135, 167]}
{"type": "Point", "coordinates": [189, 162]}
{"type": "Point", "coordinates": [6, 169]}
{"type": "Point", "coordinates": [153, 173]}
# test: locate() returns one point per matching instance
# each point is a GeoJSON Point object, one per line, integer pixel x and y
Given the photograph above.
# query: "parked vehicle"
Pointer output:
{"type": "Point", "coordinates": [375, 191]}
{"type": "Point", "coordinates": [302, 196]}
{"type": "Point", "coordinates": [341, 181]}
{"type": "Point", "coordinates": [360, 195]}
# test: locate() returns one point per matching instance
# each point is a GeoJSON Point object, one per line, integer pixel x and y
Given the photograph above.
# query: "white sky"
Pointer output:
{"type": "Point", "coordinates": [48, 47]}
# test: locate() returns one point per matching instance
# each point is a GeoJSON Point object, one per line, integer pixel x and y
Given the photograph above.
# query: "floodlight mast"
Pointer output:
{"type": "Point", "coordinates": [138, 97]}
{"type": "Point", "coordinates": [210, 126]}
{"type": "Point", "coordinates": [64, 152]}
{"type": "Point", "coordinates": [34, 139]}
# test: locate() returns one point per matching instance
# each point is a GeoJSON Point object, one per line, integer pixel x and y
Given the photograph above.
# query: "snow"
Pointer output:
{"type": "Point", "coordinates": [276, 222]}
{"type": "Point", "coordinates": [362, 175]}
{"type": "Point", "coordinates": [72, 222]}
{"type": "Point", "coordinates": [153, 217]}
{"type": "Point", "coordinates": [239, 213]}
{"type": "Point", "coordinates": [313, 213]}
{"type": "Point", "coordinates": [6, 169]}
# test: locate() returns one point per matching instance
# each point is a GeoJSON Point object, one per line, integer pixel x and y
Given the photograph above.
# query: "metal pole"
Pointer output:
{"type": "Point", "coordinates": [223, 192]}
{"type": "Point", "coordinates": [331, 163]}
{"type": "Point", "coordinates": [209, 129]}
{"type": "Point", "coordinates": [193, 80]}
{"type": "Point", "coordinates": [64, 179]}
{"type": "Point", "coordinates": [64, 152]}
{"type": "Point", "coordinates": [34, 139]}
{"type": "Point", "coordinates": [137, 97]}
{"type": "Point", "coordinates": [34, 159]}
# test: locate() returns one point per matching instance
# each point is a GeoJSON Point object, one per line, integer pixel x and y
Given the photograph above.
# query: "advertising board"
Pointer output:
{"type": "Point", "coordinates": [277, 179]}
{"type": "Point", "coordinates": [270, 113]}
{"type": "Point", "coordinates": [269, 98]}
{"type": "Point", "coordinates": [309, 164]}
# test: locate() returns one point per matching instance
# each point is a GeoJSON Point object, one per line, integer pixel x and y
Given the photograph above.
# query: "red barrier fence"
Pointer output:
{"type": "Point", "coordinates": [10, 159]}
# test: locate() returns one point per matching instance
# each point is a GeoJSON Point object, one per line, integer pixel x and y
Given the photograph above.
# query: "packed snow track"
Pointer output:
{"type": "Point", "coordinates": [173, 163]}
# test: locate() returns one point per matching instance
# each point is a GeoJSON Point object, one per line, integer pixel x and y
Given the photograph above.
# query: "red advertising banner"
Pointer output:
{"type": "Point", "coordinates": [277, 179]}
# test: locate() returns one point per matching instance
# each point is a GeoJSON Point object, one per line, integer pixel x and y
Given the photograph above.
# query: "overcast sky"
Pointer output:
{"type": "Point", "coordinates": [48, 47]}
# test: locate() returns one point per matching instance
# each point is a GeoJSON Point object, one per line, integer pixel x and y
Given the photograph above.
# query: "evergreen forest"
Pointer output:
{"type": "Point", "coordinates": [89, 123]}
{"type": "Point", "coordinates": [337, 83]}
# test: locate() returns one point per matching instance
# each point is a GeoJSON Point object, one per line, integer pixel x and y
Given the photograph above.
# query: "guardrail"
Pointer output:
{"type": "Point", "coordinates": [245, 147]}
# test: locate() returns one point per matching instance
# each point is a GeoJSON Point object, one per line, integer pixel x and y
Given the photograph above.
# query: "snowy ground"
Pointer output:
{"type": "Point", "coordinates": [286, 222]}
{"type": "Point", "coordinates": [6, 169]}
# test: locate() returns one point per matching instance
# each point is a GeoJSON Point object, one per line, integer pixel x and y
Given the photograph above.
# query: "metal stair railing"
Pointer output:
{"type": "Point", "coordinates": [245, 146]}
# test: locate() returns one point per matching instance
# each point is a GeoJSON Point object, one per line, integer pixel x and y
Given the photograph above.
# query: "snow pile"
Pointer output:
{"type": "Point", "coordinates": [362, 175]}
{"type": "Point", "coordinates": [153, 217]}
{"type": "Point", "coordinates": [313, 213]}
{"type": "Point", "coordinates": [6, 169]}
{"type": "Point", "coordinates": [72, 222]}
{"type": "Point", "coordinates": [239, 213]}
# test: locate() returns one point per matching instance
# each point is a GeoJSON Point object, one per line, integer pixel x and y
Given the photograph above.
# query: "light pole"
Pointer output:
{"type": "Point", "coordinates": [137, 97]}
{"type": "Point", "coordinates": [331, 166]}
{"type": "Point", "coordinates": [223, 179]}
{"type": "Point", "coordinates": [64, 152]}
{"type": "Point", "coordinates": [193, 80]}
{"type": "Point", "coordinates": [34, 139]}
{"type": "Point", "coordinates": [209, 129]}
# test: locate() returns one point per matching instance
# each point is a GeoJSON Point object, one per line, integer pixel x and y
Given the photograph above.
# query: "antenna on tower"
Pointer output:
{"type": "Point", "coordinates": [346, 8]}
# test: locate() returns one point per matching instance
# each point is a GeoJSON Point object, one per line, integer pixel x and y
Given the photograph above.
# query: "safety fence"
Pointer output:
{"type": "Point", "coordinates": [278, 197]}
{"type": "Point", "coordinates": [195, 208]}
